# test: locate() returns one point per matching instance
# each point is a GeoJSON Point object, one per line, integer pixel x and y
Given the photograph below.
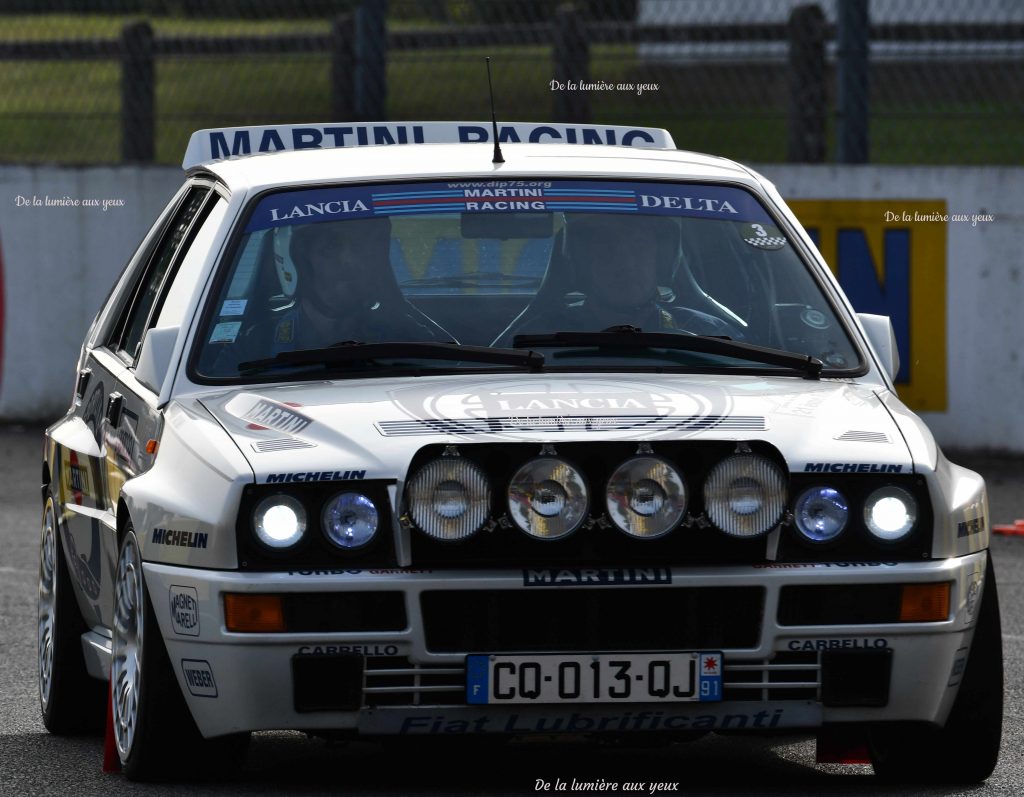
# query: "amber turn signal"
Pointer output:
{"type": "Point", "coordinates": [924, 603]}
{"type": "Point", "coordinates": [253, 614]}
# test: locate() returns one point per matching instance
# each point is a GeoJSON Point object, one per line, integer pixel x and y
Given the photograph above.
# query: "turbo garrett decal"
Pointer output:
{"type": "Point", "coordinates": [607, 575]}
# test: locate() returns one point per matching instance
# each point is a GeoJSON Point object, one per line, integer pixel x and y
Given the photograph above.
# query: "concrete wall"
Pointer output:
{"type": "Point", "coordinates": [962, 315]}
{"type": "Point", "coordinates": [984, 289]}
{"type": "Point", "coordinates": [59, 263]}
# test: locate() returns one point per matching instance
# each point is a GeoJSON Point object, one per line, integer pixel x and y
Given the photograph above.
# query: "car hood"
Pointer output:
{"type": "Point", "coordinates": [367, 428]}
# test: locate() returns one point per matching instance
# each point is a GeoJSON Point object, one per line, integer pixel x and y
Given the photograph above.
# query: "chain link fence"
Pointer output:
{"type": "Point", "coordinates": [902, 81]}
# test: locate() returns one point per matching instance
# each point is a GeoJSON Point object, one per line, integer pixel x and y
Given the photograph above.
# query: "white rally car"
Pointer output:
{"type": "Point", "coordinates": [385, 432]}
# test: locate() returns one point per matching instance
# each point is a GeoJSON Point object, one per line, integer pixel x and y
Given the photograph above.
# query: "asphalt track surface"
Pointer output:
{"type": "Point", "coordinates": [34, 763]}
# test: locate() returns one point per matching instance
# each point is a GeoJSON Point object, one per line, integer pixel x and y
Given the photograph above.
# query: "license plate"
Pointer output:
{"type": "Point", "coordinates": [594, 678]}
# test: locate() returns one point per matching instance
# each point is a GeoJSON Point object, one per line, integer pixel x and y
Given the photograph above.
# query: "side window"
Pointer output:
{"type": "Point", "coordinates": [186, 277]}
{"type": "Point", "coordinates": [148, 290]}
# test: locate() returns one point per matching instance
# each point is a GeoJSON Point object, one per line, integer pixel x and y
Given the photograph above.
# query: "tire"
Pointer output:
{"type": "Point", "coordinates": [149, 712]}
{"type": "Point", "coordinates": [966, 749]}
{"type": "Point", "coordinates": [71, 701]}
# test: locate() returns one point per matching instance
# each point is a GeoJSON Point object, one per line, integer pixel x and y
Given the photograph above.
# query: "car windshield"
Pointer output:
{"type": "Point", "coordinates": [481, 263]}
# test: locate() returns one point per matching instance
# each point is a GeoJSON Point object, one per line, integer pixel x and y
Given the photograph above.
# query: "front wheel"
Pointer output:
{"type": "Point", "coordinates": [70, 700]}
{"type": "Point", "coordinates": [966, 749]}
{"type": "Point", "coordinates": [149, 712]}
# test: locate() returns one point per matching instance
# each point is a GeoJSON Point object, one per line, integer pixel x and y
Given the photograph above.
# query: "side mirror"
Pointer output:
{"type": "Point", "coordinates": [883, 340]}
{"type": "Point", "coordinates": [155, 359]}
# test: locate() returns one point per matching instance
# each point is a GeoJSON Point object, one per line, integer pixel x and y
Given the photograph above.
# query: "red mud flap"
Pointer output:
{"type": "Point", "coordinates": [838, 745]}
{"type": "Point", "coordinates": [1016, 530]}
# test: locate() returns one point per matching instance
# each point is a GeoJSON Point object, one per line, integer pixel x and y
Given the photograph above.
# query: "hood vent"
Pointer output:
{"type": "Point", "coordinates": [282, 444]}
{"type": "Point", "coordinates": [562, 423]}
{"type": "Point", "coordinates": [864, 437]}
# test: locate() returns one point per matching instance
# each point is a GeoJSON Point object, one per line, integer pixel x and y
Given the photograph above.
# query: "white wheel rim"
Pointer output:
{"type": "Point", "coordinates": [47, 602]}
{"type": "Point", "coordinates": [126, 672]}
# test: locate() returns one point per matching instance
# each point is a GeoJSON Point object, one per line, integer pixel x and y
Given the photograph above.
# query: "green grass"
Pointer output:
{"type": "Point", "coordinates": [38, 27]}
{"type": "Point", "coordinates": [70, 111]}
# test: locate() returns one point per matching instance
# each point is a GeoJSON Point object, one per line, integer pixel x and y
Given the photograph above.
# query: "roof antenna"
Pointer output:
{"type": "Point", "coordinates": [494, 119]}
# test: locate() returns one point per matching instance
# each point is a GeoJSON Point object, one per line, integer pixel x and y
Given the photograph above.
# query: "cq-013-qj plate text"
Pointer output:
{"type": "Point", "coordinates": [594, 678]}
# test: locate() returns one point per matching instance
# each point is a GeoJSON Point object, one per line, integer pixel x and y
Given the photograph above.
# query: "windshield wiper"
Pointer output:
{"type": "Point", "coordinates": [354, 351]}
{"type": "Point", "coordinates": [629, 337]}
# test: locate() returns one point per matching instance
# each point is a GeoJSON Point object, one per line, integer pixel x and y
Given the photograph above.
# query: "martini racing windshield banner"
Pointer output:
{"type": "Point", "coordinates": [507, 196]}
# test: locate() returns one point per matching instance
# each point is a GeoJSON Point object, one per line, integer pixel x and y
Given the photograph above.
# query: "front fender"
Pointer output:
{"type": "Point", "coordinates": [184, 508]}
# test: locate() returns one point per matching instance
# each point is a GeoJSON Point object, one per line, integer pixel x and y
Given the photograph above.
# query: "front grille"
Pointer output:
{"type": "Point", "coordinates": [571, 619]}
{"type": "Point", "coordinates": [786, 676]}
{"type": "Point", "coordinates": [390, 681]}
{"type": "Point", "coordinates": [393, 681]}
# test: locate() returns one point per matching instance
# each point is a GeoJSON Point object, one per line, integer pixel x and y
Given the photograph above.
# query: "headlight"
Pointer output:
{"type": "Point", "coordinates": [821, 514]}
{"type": "Point", "coordinates": [890, 513]}
{"type": "Point", "coordinates": [449, 498]}
{"type": "Point", "coordinates": [547, 498]}
{"type": "Point", "coordinates": [279, 521]}
{"type": "Point", "coordinates": [350, 520]}
{"type": "Point", "coordinates": [646, 497]}
{"type": "Point", "coordinates": [745, 495]}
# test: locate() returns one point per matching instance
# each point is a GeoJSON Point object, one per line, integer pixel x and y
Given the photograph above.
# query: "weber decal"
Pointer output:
{"type": "Point", "coordinates": [956, 673]}
{"type": "Point", "coordinates": [589, 576]}
{"type": "Point", "coordinates": [181, 539]}
{"type": "Point", "coordinates": [316, 476]}
{"type": "Point", "coordinates": [184, 610]}
{"type": "Point", "coordinates": [199, 677]}
{"type": "Point", "coordinates": [851, 467]}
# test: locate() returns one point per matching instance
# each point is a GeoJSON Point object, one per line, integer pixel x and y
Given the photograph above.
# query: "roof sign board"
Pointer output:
{"type": "Point", "coordinates": [233, 142]}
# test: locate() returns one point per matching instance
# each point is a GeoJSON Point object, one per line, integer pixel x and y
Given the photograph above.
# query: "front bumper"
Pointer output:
{"type": "Point", "coordinates": [773, 673]}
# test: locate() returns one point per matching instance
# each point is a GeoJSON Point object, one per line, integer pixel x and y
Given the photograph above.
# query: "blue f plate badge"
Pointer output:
{"type": "Point", "coordinates": [594, 678]}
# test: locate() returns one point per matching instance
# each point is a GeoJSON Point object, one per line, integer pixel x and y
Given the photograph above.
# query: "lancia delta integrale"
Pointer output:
{"type": "Point", "coordinates": [383, 432]}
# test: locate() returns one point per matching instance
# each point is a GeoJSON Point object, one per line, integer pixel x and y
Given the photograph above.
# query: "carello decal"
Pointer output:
{"type": "Point", "coordinates": [890, 258]}
{"type": "Point", "coordinates": [851, 467]}
{"type": "Point", "coordinates": [181, 539]}
{"type": "Point", "coordinates": [343, 650]}
{"type": "Point", "coordinates": [589, 576]}
{"type": "Point", "coordinates": [316, 476]}
{"type": "Point", "coordinates": [867, 643]}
